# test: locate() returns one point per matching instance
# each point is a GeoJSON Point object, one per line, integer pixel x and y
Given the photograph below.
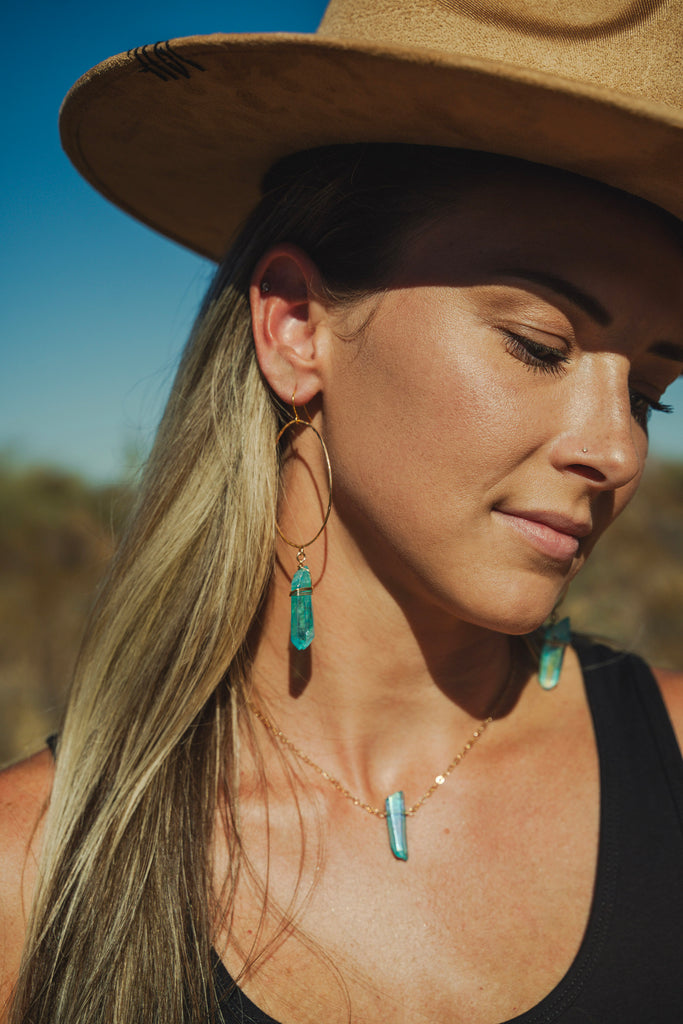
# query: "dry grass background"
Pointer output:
{"type": "Point", "coordinates": [57, 533]}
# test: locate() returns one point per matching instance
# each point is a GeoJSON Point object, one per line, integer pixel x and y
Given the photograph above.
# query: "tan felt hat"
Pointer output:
{"type": "Point", "coordinates": [180, 134]}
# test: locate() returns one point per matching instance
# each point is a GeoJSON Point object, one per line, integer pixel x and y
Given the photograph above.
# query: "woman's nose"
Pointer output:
{"type": "Point", "coordinates": [602, 441]}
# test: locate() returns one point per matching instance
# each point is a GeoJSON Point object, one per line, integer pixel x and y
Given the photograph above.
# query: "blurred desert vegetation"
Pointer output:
{"type": "Point", "coordinates": [57, 533]}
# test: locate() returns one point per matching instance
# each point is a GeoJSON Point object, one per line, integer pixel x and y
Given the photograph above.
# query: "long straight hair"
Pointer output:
{"type": "Point", "coordinates": [121, 927]}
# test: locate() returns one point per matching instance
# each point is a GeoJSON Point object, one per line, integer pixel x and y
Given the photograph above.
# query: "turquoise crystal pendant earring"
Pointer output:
{"type": "Point", "coordinates": [302, 629]}
{"type": "Point", "coordinates": [555, 639]}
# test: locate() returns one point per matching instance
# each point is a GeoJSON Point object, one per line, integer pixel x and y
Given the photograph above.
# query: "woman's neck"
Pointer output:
{"type": "Point", "coordinates": [382, 693]}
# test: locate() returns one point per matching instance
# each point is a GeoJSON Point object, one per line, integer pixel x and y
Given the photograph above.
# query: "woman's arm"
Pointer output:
{"type": "Point", "coordinates": [24, 792]}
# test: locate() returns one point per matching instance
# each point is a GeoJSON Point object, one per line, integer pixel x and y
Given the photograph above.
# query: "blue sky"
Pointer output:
{"type": "Point", "coordinates": [95, 308]}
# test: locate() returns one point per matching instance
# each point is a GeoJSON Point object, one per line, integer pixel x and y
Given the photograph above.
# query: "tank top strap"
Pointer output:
{"type": "Point", "coordinates": [630, 717]}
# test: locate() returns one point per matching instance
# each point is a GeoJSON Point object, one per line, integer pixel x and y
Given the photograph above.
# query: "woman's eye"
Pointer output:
{"type": "Point", "coordinates": [537, 356]}
{"type": "Point", "coordinates": [642, 407]}
{"type": "Point", "coordinates": [550, 360]}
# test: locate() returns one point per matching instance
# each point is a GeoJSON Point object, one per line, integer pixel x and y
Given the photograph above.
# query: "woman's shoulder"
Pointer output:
{"type": "Point", "coordinates": [24, 793]}
{"type": "Point", "coordinates": [671, 687]}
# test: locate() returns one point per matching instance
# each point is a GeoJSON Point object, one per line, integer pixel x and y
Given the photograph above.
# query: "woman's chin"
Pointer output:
{"type": "Point", "coordinates": [517, 612]}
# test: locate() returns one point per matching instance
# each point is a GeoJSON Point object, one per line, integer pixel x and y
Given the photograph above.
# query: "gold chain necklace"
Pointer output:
{"type": "Point", "coordinates": [395, 811]}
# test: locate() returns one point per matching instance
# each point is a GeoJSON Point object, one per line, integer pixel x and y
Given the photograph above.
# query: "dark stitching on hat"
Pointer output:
{"type": "Point", "coordinates": [141, 56]}
{"type": "Point", "coordinates": [177, 61]}
{"type": "Point", "coordinates": [164, 62]}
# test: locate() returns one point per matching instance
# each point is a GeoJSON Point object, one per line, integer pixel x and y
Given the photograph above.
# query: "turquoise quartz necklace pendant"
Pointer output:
{"type": "Point", "coordinates": [395, 808]}
{"type": "Point", "coordinates": [301, 615]}
{"type": "Point", "coordinates": [555, 640]}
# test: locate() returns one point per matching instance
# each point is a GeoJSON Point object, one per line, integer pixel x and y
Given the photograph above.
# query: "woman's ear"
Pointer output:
{"type": "Point", "coordinates": [291, 329]}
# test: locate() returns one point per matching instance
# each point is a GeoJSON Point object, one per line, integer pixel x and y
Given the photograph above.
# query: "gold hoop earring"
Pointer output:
{"type": "Point", "coordinates": [302, 629]}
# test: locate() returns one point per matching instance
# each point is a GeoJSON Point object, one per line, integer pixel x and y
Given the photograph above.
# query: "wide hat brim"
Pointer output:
{"type": "Point", "coordinates": [180, 135]}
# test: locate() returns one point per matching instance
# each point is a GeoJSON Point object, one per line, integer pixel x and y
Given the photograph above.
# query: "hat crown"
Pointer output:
{"type": "Point", "coordinates": [633, 46]}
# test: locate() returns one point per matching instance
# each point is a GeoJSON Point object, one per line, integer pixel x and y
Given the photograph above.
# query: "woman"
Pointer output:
{"type": "Point", "coordinates": [447, 358]}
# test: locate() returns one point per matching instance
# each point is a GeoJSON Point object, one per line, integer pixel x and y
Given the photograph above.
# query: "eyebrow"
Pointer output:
{"type": "Point", "coordinates": [668, 350]}
{"type": "Point", "coordinates": [588, 303]}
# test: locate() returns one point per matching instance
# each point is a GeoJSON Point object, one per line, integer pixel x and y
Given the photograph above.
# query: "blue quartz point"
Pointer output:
{"type": "Point", "coordinates": [555, 641]}
{"type": "Point", "coordinates": [396, 824]}
{"type": "Point", "coordinates": [301, 628]}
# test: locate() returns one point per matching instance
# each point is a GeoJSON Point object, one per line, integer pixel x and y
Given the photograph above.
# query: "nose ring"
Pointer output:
{"type": "Point", "coordinates": [584, 450]}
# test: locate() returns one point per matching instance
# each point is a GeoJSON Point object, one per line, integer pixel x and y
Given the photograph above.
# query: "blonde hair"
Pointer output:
{"type": "Point", "coordinates": [122, 922]}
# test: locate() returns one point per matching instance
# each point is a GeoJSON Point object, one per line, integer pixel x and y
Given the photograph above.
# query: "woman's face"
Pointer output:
{"type": "Point", "coordinates": [491, 420]}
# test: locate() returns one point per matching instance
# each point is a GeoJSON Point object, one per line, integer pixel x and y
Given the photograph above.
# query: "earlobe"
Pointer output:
{"type": "Point", "coordinates": [289, 322]}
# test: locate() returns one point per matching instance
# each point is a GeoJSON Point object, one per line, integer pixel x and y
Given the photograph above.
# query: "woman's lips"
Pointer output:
{"type": "Point", "coordinates": [551, 533]}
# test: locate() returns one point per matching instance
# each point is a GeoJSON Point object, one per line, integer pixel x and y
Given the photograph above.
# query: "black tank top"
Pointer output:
{"type": "Point", "coordinates": [629, 967]}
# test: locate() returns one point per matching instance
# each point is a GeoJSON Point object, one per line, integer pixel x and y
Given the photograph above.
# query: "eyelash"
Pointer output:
{"type": "Point", "coordinates": [545, 359]}
{"type": "Point", "coordinates": [642, 407]}
{"type": "Point", "coordinates": [541, 358]}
